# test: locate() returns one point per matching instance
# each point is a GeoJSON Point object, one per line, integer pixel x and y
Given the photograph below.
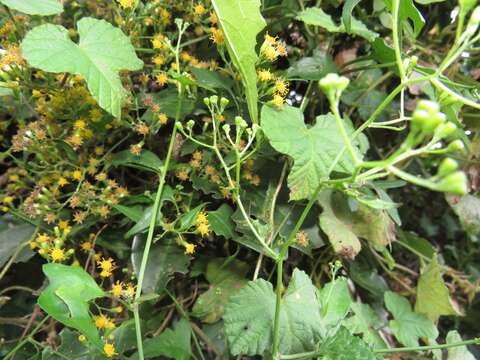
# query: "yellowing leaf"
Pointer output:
{"type": "Point", "coordinates": [102, 52]}
{"type": "Point", "coordinates": [433, 298]}
{"type": "Point", "coordinates": [241, 21]}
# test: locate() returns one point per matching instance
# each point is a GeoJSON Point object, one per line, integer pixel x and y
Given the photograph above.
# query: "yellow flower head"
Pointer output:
{"type": "Point", "coordinates": [117, 289]}
{"type": "Point", "coordinates": [162, 118]}
{"type": "Point", "coordinates": [265, 75]}
{"type": "Point", "coordinates": [82, 338]}
{"type": "Point", "coordinates": [199, 9]}
{"type": "Point", "coordinates": [109, 350]}
{"type": "Point", "coordinates": [281, 87]}
{"type": "Point", "coordinates": [161, 79]}
{"type": "Point", "coordinates": [217, 36]}
{"type": "Point", "coordinates": [270, 53]}
{"type": "Point", "coordinates": [57, 255]}
{"type": "Point", "coordinates": [190, 248]}
{"type": "Point", "coordinates": [106, 264]}
{"type": "Point", "coordinates": [157, 41]}
{"type": "Point", "coordinates": [126, 4]}
{"type": "Point", "coordinates": [8, 200]}
{"type": "Point", "coordinates": [130, 290]}
{"type": "Point", "coordinates": [278, 101]}
{"type": "Point", "coordinates": [203, 229]}
{"type": "Point", "coordinates": [86, 246]}
{"type": "Point", "coordinates": [77, 175]}
{"type": "Point", "coordinates": [202, 218]}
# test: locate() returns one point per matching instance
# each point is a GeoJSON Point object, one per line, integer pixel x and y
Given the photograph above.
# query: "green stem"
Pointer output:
{"type": "Point", "coordinates": [396, 40]}
{"type": "Point", "coordinates": [27, 339]}
{"type": "Point", "coordinates": [151, 229]}
{"type": "Point", "coordinates": [281, 255]}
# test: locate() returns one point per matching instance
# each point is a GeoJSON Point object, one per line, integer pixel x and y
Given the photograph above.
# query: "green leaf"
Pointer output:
{"type": "Point", "coordinates": [12, 237]}
{"type": "Point", "coordinates": [241, 21]}
{"type": "Point", "coordinates": [71, 348]}
{"type": "Point", "coordinates": [365, 321]}
{"type": "Point", "coordinates": [312, 68]}
{"type": "Point", "coordinates": [347, 13]}
{"type": "Point", "coordinates": [35, 7]}
{"type": "Point", "coordinates": [211, 79]}
{"type": "Point", "coordinates": [428, 2]}
{"type": "Point", "coordinates": [226, 277]}
{"type": "Point", "coordinates": [433, 297]}
{"type": "Point", "coordinates": [166, 258]}
{"type": "Point", "coordinates": [313, 149]}
{"type": "Point", "coordinates": [221, 222]}
{"type": "Point", "coordinates": [335, 301]}
{"type": "Point", "coordinates": [344, 227]}
{"type": "Point", "coordinates": [146, 160]}
{"type": "Point", "coordinates": [408, 326]}
{"type": "Point", "coordinates": [134, 213]}
{"type": "Point", "coordinates": [167, 100]}
{"type": "Point", "coordinates": [102, 52]}
{"type": "Point", "coordinates": [174, 344]}
{"type": "Point", "coordinates": [67, 297]}
{"type": "Point", "coordinates": [408, 11]}
{"type": "Point", "coordinates": [457, 352]}
{"type": "Point", "coordinates": [317, 17]}
{"type": "Point", "coordinates": [345, 346]}
{"type": "Point", "coordinates": [188, 219]}
{"type": "Point", "coordinates": [250, 314]}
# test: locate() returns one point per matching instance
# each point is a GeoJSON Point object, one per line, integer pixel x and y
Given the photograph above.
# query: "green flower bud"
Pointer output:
{"type": "Point", "coordinates": [456, 145]}
{"type": "Point", "coordinates": [447, 166]}
{"type": "Point", "coordinates": [224, 102]}
{"type": "Point", "coordinates": [70, 252]}
{"type": "Point", "coordinates": [58, 242]}
{"type": "Point", "coordinates": [427, 116]}
{"type": "Point", "coordinates": [206, 101]}
{"type": "Point", "coordinates": [455, 183]}
{"type": "Point", "coordinates": [190, 124]}
{"type": "Point", "coordinates": [240, 122]}
{"type": "Point", "coordinates": [226, 128]}
{"type": "Point", "coordinates": [332, 82]}
{"type": "Point", "coordinates": [445, 130]}
{"type": "Point", "coordinates": [214, 99]}
{"type": "Point", "coordinates": [179, 125]}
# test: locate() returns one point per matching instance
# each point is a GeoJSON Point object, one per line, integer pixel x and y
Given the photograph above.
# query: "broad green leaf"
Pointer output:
{"type": "Point", "coordinates": [408, 326]}
{"type": "Point", "coordinates": [146, 160]}
{"type": "Point", "coordinates": [408, 11]}
{"type": "Point", "coordinates": [366, 322]}
{"type": "Point", "coordinates": [312, 68]}
{"type": "Point", "coordinates": [345, 346]}
{"type": "Point", "coordinates": [5, 91]}
{"type": "Point", "coordinates": [102, 52]}
{"type": "Point", "coordinates": [433, 297]}
{"type": "Point", "coordinates": [35, 7]}
{"type": "Point", "coordinates": [457, 352]}
{"type": "Point", "coordinates": [347, 13]}
{"type": "Point", "coordinates": [226, 277]}
{"type": "Point", "coordinates": [344, 227]}
{"type": "Point", "coordinates": [428, 2]}
{"type": "Point", "coordinates": [250, 314]}
{"type": "Point", "coordinates": [134, 213]}
{"type": "Point", "coordinates": [166, 258]}
{"type": "Point", "coordinates": [416, 243]}
{"type": "Point", "coordinates": [241, 21]}
{"type": "Point", "coordinates": [168, 100]}
{"type": "Point", "coordinates": [211, 79]}
{"type": "Point", "coordinates": [67, 298]}
{"type": "Point", "coordinates": [313, 149]}
{"type": "Point", "coordinates": [187, 220]}
{"type": "Point", "coordinates": [335, 301]}
{"type": "Point", "coordinates": [317, 17]}
{"type": "Point", "coordinates": [174, 344]}
{"type": "Point", "coordinates": [221, 222]}
{"type": "Point", "coordinates": [12, 237]}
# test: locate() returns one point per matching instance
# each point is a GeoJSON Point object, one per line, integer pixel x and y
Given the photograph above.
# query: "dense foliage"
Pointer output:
{"type": "Point", "coordinates": [239, 179]}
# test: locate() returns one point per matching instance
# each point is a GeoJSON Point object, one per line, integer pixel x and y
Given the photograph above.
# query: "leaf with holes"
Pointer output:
{"type": "Point", "coordinates": [102, 52]}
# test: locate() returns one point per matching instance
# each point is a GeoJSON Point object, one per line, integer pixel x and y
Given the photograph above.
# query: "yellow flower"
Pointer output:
{"type": "Point", "coordinates": [57, 255]}
{"type": "Point", "coordinates": [265, 75]}
{"type": "Point", "coordinates": [197, 155]}
{"type": "Point", "coordinates": [101, 321]}
{"type": "Point", "coordinates": [270, 53]}
{"type": "Point", "coordinates": [202, 218]}
{"type": "Point", "coordinates": [203, 229]}
{"type": "Point", "coordinates": [301, 238]}
{"type": "Point", "coordinates": [162, 79]}
{"type": "Point", "coordinates": [157, 41]}
{"type": "Point", "coordinates": [63, 224]}
{"type": "Point", "coordinates": [80, 124]}
{"type": "Point", "coordinates": [189, 248]}
{"type": "Point", "coordinates": [159, 60]}
{"type": "Point", "coordinates": [13, 178]}
{"type": "Point", "coordinates": [130, 290]}
{"type": "Point", "coordinates": [162, 118]}
{"type": "Point", "coordinates": [77, 175]}
{"type": "Point", "coordinates": [217, 36]}
{"type": "Point", "coordinates": [117, 289]}
{"type": "Point", "coordinates": [33, 244]}
{"type": "Point", "coordinates": [41, 238]}
{"type": "Point", "coordinates": [109, 350]}
{"type": "Point", "coordinates": [106, 264]}
{"type": "Point", "coordinates": [278, 101]}
{"type": "Point", "coordinates": [62, 182]}
{"type": "Point", "coordinates": [199, 9]}
{"type": "Point", "coordinates": [281, 87]}
{"type": "Point", "coordinates": [95, 115]}
{"type": "Point", "coordinates": [270, 40]}
{"type": "Point", "coordinates": [8, 200]}
{"type": "Point", "coordinates": [86, 246]}
{"type": "Point", "coordinates": [82, 338]}
{"type": "Point", "coordinates": [126, 4]}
